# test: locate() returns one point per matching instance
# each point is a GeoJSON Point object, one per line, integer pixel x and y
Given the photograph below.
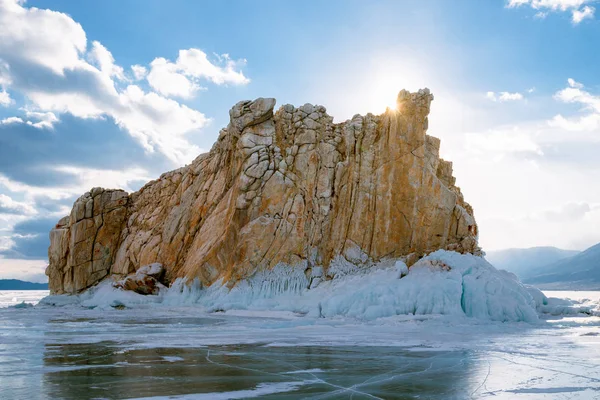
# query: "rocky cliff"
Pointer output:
{"type": "Point", "coordinates": [289, 187]}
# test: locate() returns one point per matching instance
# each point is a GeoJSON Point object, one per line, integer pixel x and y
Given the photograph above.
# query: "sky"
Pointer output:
{"type": "Point", "coordinates": [103, 93]}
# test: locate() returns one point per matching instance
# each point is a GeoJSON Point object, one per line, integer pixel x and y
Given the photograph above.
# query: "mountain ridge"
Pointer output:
{"type": "Point", "coordinates": [17, 284]}
{"type": "Point", "coordinates": [579, 272]}
{"type": "Point", "coordinates": [523, 262]}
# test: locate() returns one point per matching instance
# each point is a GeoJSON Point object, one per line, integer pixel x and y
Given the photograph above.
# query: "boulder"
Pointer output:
{"type": "Point", "coordinates": [147, 280]}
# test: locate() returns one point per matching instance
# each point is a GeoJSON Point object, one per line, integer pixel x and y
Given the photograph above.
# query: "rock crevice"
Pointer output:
{"type": "Point", "coordinates": [278, 187]}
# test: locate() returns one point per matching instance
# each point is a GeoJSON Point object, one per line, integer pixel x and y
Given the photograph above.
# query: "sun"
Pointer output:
{"type": "Point", "coordinates": [390, 75]}
{"type": "Point", "coordinates": [381, 97]}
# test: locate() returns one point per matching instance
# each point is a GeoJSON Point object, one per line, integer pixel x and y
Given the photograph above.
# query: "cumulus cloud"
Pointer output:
{"type": "Point", "coordinates": [166, 78]}
{"type": "Point", "coordinates": [5, 99]}
{"type": "Point", "coordinates": [104, 60]}
{"type": "Point", "coordinates": [57, 47]}
{"type": "Point", "coordinates": [11, 120]}
{"type": "Point", "coordinates": [54, 69]}
{"type": "Point", "coordinates": [574, 84]}
{"type": "Point", "coordinates": [10, 206]}
{"type": "Point", "coordinates": [41, 120]}
{"type": "Point", "coordinates": [182, 77]}
{"type": "Point", "coordinates": [533, 140]}
{"type": "Point", "coordinates": [578, 8]}
{"type": "Point", "coordinates": [76, 89]}
{"type": "Point", "coordinates": [81, 179]}
{"type": "Point", "coordinates": [588, 122]}
{"type": "Point", "coordinates": [585, 13]}
{"type": "Point", "coordinates": [195, 63]}
{"type": "Point", "coordinates": [139, 72]}
{"type": "Point", "coordinates": [575, 93]}
{"type": "Point", "coordinates": [504, 96]}
{"type": "Point", "coordinates": [24, 225]}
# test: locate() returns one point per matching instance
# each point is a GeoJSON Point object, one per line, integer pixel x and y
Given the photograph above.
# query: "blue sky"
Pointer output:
{"type": "Point", "coordinates": [516, 85]}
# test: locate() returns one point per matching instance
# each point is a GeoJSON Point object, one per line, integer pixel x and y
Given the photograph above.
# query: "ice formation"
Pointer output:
{"type": "Point", "coordinates": [441, 283]}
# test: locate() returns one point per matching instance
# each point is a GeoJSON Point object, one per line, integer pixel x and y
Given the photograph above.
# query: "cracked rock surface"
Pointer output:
{"type": "Point", "coordinates": [286, 187]}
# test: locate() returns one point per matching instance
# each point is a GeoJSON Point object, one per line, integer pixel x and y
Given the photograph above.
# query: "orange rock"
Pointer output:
{"type": "Point", "coordinates": [287, 187]}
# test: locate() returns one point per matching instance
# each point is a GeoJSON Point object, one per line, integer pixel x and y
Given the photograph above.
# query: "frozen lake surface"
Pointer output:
{"type": "Point", "coordinates": [185, 352]}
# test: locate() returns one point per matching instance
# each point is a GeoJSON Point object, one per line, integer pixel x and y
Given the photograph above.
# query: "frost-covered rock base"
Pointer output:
{"type": "Point", "coordinates": [441, 283]}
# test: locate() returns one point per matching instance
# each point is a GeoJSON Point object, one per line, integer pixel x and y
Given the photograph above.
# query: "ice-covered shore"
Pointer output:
{"type": "Point", "coordinates": [442, 283]}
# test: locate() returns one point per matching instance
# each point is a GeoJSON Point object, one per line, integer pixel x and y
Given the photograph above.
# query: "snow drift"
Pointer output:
{"type": "Point", "coordinates": [443, 282]}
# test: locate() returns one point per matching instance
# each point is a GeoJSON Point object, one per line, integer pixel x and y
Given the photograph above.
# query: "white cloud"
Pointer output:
{"type": "Point", "coordinates": [182, 77]}
{"type": "Point", "coordinates": [517, 3]}
{"type": "Point", "coordinates": [49, 68]}
{"type": "Point", "coordinates": [574, 84]}
{"type": "Point", "coordinates": [195, 63]}
{"type": "Point", "coordinates": [504, 96]}
{"type": "Point", "coordinates": [568, 212]}
{"type": "Point", "coordinates": [10, 206]}
{"type": "Point", "coordinates": [44, 119]}
{"type": "Point", "coordinates": [165, 79]}
{"type": "Point", "coordinates": [11, 120]}
{"type": "Point", "coordinates": [497, 143]}
{"type": "Point", "coordinates": [5, 99]}
{"type": "Point", "coordinates": [147, 116]}
{"type": "Point", "coordinates": [585, 13]}
{"type": "Point", "coordinates": [83, 179]}
{"type": "Point", "coordinates": [575, 93]}
{"type": "Point", "coordinates": [105, 61]}
{"type": "Point", "coordinates": [40, 120]}
{"type": "Point", "coordinates": [588, 122]}
{"type": "Point", "coordinates": [57, 46]}
{"type": "Point", "coordinates": [529, 180]}
{"type": "Point", "coordinates": [6, 243]}
{"type": "Point", "coordinates": [27, 270]}
{"type": "Point", "coordinates": [578, 8]}
{"type": "Point", "coordinates": [87, 178]}
{"type": "Point", "coordinates": [569, 225]}
{"type": "Point", "coordinates": [139, 72]}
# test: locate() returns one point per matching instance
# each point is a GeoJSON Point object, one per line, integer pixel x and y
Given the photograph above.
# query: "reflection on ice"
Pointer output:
{"type": "Point", "coordinates": [74, 353]}
{"type": "Point", "coordinates": [174, 349]}
{"type": "Point", "coordinates": [256, 371]}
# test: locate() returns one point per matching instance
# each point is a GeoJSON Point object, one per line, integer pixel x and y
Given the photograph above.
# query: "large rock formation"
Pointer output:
{"type": "Point", "coordinates": [290, 187]}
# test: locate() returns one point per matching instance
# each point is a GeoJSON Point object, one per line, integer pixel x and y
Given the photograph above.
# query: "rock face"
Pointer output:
{"type": "Point", "coordinates": [289, 187]}
{"type": "Point", "coordinates": [83, 244]}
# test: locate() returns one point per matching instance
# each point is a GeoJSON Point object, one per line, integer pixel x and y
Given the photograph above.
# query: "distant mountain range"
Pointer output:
{"type": "Point", "coordinates": [523, 262]}
{"type": "Point", "coordinates": [579, 272]}
{"type": "Point", "coordinates": [552, 268]}
{"type": "Point", "coordinates": [15, 284]}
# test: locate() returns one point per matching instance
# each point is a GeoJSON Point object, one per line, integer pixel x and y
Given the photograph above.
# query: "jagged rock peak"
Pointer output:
{"type": "Point", "coordinates": [289, 187]}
